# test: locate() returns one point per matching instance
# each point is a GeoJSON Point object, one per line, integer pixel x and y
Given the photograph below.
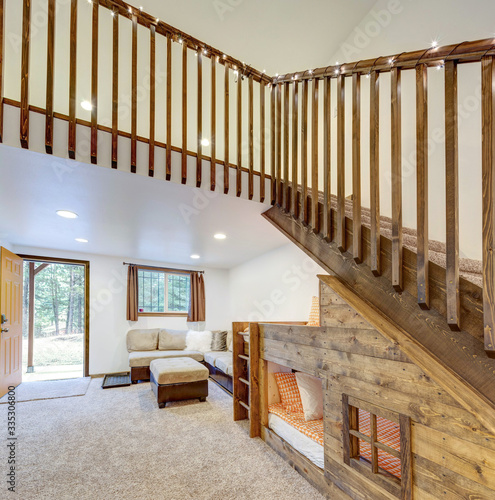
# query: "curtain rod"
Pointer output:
{"type": "Point", "coordinates": [163, 268]}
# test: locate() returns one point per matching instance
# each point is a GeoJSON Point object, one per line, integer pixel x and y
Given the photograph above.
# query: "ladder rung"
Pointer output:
{"type": "Point", "coordinates": [243, 357]}
{"type": "Point", "coordinates": [243, 380]}
{"type": "Point", "coordinates": [243, 404]}
{"type": "Point", "coordinates": [242, 333]}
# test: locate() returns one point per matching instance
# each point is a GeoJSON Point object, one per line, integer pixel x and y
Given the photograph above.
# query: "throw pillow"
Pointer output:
{"type": "Point", "coordinates": [219, 340]}
{"type": "Point", "coordinates": [198, 341]}
{"type": "Point", "coordinates": [142, 340]}
{"type": "Point", "coordinates": [289, 392]}
{"type": "Point", "coordinates": [172, 340]}
{"type": "Point", "coordinates": [311, 393]}
{"type": "Point", "coordinates": [230, 339]}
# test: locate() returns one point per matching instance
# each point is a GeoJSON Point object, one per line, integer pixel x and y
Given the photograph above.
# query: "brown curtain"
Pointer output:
{"type": "Point", "coordinates": [132, 293]}
{"type": "Point", "coordinates": [197, 303]}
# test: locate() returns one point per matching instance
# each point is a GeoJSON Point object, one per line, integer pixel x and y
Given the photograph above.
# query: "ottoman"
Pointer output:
{"type": "Point", "coordinates": [176, 379]}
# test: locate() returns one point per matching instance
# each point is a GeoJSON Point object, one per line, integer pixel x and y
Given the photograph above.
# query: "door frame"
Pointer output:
{"type": "Point", "coordinates": [85, 263]}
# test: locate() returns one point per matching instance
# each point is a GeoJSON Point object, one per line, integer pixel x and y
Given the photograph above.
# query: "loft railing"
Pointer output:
{"type": "Point", "coordinates": [282, 122]}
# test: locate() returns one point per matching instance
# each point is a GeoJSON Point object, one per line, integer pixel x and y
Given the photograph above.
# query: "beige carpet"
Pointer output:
{"type": "Point", "coordinates": [116, 444]}
{"type": "Point", "coordinates": [50, 389]}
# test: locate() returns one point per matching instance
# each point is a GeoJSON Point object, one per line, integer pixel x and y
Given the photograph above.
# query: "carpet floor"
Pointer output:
{"type": "Point", "coordinates": [50, 389]}
{"type": "Point", "coordinates": [116, 444]}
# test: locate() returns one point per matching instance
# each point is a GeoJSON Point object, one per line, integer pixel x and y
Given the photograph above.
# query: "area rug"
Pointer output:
{"type": "Point", "coordinates": [49, 389]}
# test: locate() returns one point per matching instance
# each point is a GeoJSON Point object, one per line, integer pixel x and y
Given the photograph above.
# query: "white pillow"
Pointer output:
{"type": "Point", "coordinates": [230, 339]}
{"type": "Point", "coordinates": [311, 396]}
{"type": "Point", "coordinates": [198, 341]}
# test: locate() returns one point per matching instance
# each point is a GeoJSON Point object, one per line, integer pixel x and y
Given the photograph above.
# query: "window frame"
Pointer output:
{"type": "Point", "coordinates": [165, 272]}
{"type": "Point", "coordinates": [399, 487]}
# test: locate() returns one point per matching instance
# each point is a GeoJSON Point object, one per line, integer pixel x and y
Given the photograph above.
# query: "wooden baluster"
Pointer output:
{"type": "Point", "coordinates": [152, 101]}
{"type": "Point", "coordinates": [422, 185]}
{"type": "Point", "coordinates": [357, 242]}
{"type": "Point", "coordinates": [115, 89]}
{"type": "Point", "coordinates": [273, 146]}
{"type": "Point", "coordinates": [452, 195]}
{"type": "Point", "coordinates": [72, 80]}
{"type": "Point", "coordinates": [315, 216]}
{"type": "Point", "coordinates": [134, 97]}
{"type": "Point", "coordinates": [226, 132]}
{"type": "Point", "coordinates": [327, 159]}
{"type": "Point", "coordinates": [184, 114]}
{"type": "Point", "coordinates": [262, 141]}
{"type": "Point", "coordinates": [304, 153]}
{"type": "Point", "coordinates": [374, 439]}
{"type": "Point", "coordinates": [278, 182]}
{"type": "Point", "coordinates": [94, 85]}
{"type": "Point", "coordinates": [199, 135]}
{"type": "Point", "coordinates": [488, 169]}
{"type": "Point", "coordinates": [375, 172]}
{"type": "Point", "coordinates": [239, 136]}
{"type": "Point", "coordinates": [213, 138]}
{"type": "Point", "coordinates": [251, 138]}
{"type": "Point", "coordinates": [294, 183]}
{"type": "Point", "coordinates": [286, 200]}
{"type": "Point", "coordinates": [2, 57]}
{"type": "Point", "coordinates": [168, 154]}
{"type": "Point", "coordinates": [396, 181]}
{"type": "Point", "coordinates": [341, 163]}
{"type": "Point", "coordinates": [50, 64]}
{"type": "Point", "coordinates": [26, 37]}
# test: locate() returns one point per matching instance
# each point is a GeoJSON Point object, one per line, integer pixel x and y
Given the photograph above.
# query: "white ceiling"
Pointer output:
{"type": "Point", "coordinates": [124, 214]}
{"type": "Point", "coordinates": [280, 36]}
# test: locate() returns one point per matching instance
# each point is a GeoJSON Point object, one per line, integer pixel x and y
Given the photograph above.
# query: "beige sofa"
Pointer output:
{"type": "Point", "coordinates": [145, 345]}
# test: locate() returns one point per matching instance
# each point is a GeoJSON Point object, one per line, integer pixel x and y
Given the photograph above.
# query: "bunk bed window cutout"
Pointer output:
{"type": "Point", "coordinates": [377, 444]}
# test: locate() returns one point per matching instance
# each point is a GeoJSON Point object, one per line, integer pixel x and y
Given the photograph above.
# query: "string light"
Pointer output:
{"type": "Point", "coordinates": [391, 60]}
{"type": "Point", "coordinates": [434, 44]}
{"type": "Point", "coordinates": [130, 10]}
{"type": "Point", "coordinates": [180, 40]}
{"type": "Point", "coordinates": [264, 71]}
{"type": "Point", "coordinates": [310, 71]}
{"type": "Point", "coordinates": [205, 52]}
{"type": "Point", "coordinates": [141, 8]}
{"type": "Point", "coordinates": [112, 13]}
{"type": "Point", "coordinates": [440, 66]}
{"type": "Point", "coordinates": [157, 20]}
{"type": "Point", "coordinates": [224, 56]}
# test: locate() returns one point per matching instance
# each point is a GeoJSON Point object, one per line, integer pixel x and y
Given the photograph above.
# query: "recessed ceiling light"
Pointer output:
{"type": "Point", "coordinates": [205, 142]}
{"type": "Point", "coordinates": [81, 240]}
{"type": "Point", "coordinates": [220, 236]}
{"type": "Point", "coordinates": [86, 105]}
{"type": "Point", "coordinates": [194, 256]}
{"type": "Point", "coordinates": [67, 214]}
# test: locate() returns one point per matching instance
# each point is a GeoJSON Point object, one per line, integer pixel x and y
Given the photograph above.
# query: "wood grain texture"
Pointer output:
{"type": "Point", "coordinates": [134, 55]}
{"type": "Point", "coordinates": [315, 214]}
{"type": "Point", "coordinates": [50, 68]}
{"type": "Point", "coordinates": [115, 89]}
{"type": "Point", "coordinates": [295, 136]}
{"type": "Point", "coordinates": [94, 83]}
{"type": "Point", "coordinates": [2, 64]}
{"type": "Point", "coordinates": [375, 172]}
{"type": "Point", "coordinates": [72, 80]}
{"type": "Point", "coordinates": [488, 199]}
{"type": "Point", "coordinates": [278, 157]}
{"type": "Point", "coordinates": [273, 184]}
{"type": "Point", "coordinates": [26, 39]}
{"type": "Point", "coordinates": [226, 131]}
{"type": "Point", "coordinates": [327, 159]}
{"type": "Point", "coordinates": [250, 138]}
{"type": "Point", "coordinates": [184, 114]}
{"type": "Point", "coordinates": [238, 177]}
{"type": "Point", "coordinates": [199, 133]}
{"type": "Point", "coordinates": [262, 142]}
{"type": "Point", "coordinates": [396, 156]}
{"type": "Point", "coordinates": [151, 154]}
{"type": "Point", "coordinates": [452, 195]}
{"type": "Point", "coordinates": [168, 153]}
{"type": "Point", "coordinates": [406, 458]}
{"type": "Point", "coordinates": [254, 380]}
{"type": "Point", "coordinates": [213, 138]}
{"type": "Point", "coordinates": [357, 244]}
{"type": "Point", "coordinates": [286, 156]}
{"type": "Point", "coordinates": [304, 153]}
{"type": "Point", "coordinates": [341, 243]}
{"type": "Point", "coordinates": [240, 370]}
{"type": "Point", "coordinates": [423, 291]}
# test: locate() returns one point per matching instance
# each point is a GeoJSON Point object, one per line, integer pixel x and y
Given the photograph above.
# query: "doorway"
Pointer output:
{"type": "Point", "coordinates": [55, 319]}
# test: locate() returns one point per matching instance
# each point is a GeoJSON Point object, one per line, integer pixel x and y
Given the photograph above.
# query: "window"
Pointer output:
{"type": "Point", "coordinates": [162, 293]}
{"type": "Point", "coordinates": [376, 442]}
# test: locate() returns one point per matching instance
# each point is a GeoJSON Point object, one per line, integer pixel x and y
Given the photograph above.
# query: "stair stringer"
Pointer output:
{"type": "Point", "coordinates": [455, 360]}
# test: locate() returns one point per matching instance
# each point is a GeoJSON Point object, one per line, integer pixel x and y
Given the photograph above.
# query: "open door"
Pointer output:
{"type": "Point", "coordinates": [11, 319]}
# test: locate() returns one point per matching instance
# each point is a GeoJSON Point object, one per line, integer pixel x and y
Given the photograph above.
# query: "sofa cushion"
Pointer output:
{"type": "Point", "coordinates": [211, 357]}
{"type": "Point", "coordinates": [170, 340]}
{"type": "Point", "coordinates": [178, 371]}
{"type": "Point", "coordinates": [224, 362]}
{"type": "Point", "coordinates": [230, 339]}
{"type": "Point", "coordinates": [219, 340]}
{"type": "Point", "coordinates": [142, 340]}
{"type": "Point", "coordinates": [198, 341]}
{"type": "Point", "coordinates": [144, 358]}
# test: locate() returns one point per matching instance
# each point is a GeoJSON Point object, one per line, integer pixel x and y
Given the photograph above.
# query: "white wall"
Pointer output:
{"type": "Point", "coordinates": [277, 286]}
{"type": "Point", "coordinates": [108, 326]}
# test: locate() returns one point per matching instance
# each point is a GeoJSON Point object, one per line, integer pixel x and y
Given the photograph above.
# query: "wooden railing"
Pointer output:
{"type": "Point", "coordinates": [284, 122]}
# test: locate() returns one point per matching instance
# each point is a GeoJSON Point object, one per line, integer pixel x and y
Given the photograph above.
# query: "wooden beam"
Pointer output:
{"type": "Point", "coordinates": [168, 153]}
{"type": "Point", "coordinates": [134, 96]}
{"type": "Point", "coordinates": [41, 267]}
{"type": "Point", "coordinates": [199, 135]}
{"type": "Point", "coordinates": [304, 153]}
{"type": "Point", "coordinates": [422, 185]}
{"type": "Point", "coordinates": [285, 193]}
{"type": "Point", "coordinates": [327, 159]}
{"type": "Point", "coordinates": [50, 68]}
{"type": "Point", "coordinates": [488, 197]}
{"type": "Point", "coordinates": [452, 195]}
{"type": "Point", "coordinates": [213, 138]}
{"type": "Point", "coordinates": [151, 155]}
{"type": "Point", "coordinates": [250, 139]}
{"type": "Point", "coordinates": [396, 157]}
{"type": "Point", "coordinates": [239, 136]}
{"type": "Point", "coordinates": [375, 172]}
{"type": "Point", "coordinates": [273, 146]}
{"type": "Point", "coordinates": [72, 80]}
{"type": "Point", "coordinates": [184, 113]}
{"type": "Point", "coordinates": [94, 84]}
{"type": "Point", "coordinates": [226, 132]}
{"type": "Point", "coordinates": [406, 466]}
{"type": "Point", "coordinates": [26, 38]}
{"type": "Point", "coordinates": [115, 90]}
{"type": "Point", "coordinates": [2, 58]}
{"type": "Point", "coordinates": [315, 215]}
{"type": "Point", "coordinates": [357, 243]}
{"type": "Point", "coordinates": [341, 244]}
{"type": "Point", "coordinates": [374, 439]}
{"type": "Point", "coordinates": [262, 142]}
{"type": "Point", "coordinates": [295, 130]}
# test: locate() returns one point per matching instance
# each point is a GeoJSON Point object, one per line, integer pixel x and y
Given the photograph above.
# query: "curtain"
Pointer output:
{"type": "Point", "coordinates": [197, 303]}
{"type": "Point", "coordinates": [132, 293]}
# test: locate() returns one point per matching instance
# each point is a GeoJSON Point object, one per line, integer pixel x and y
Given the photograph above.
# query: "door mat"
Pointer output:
{"type": "Point", "coordinates": [116, 380]}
